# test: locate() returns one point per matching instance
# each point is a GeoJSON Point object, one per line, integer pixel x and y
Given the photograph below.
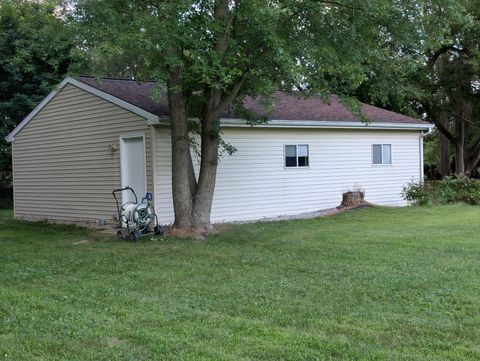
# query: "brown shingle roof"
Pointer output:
{"type": "Point", "coordinates": [131, 91]}
{"type": "Point", "coordinates": [285, 106]}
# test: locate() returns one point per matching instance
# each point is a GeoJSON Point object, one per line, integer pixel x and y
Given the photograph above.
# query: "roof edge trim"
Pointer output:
{"type": "Point", "coordinates": [281, 123]}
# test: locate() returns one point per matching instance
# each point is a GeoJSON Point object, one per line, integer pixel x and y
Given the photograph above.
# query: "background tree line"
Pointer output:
{"type": "Point", "coordinates": [417, 57]}
{"type": "Point", "coordinates": [35, 54]}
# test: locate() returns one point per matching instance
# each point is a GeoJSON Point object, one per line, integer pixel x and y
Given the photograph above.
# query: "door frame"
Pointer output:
{"type": "Point", "coordinates": [123, 175]}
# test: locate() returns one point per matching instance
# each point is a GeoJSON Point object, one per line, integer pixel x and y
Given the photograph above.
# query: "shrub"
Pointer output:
{"type": "Point", "coordinates": [449, 190]}
{"type": "Point", "coordinates": [417, 193]}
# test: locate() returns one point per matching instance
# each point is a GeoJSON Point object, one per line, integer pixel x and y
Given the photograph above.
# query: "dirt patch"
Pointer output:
{"type": "Point", "coordinates": [364, 204]}
{"type": "Point", "coordinates": [113, 341]}
{"type": "Point", "coordinates": [192, 233]}
{"type": "Point", "coordinates": [82, 241]}
{"type": "Point", "coordinates": [292, 217]}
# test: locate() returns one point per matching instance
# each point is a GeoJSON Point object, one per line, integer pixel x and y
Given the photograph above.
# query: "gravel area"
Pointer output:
{"type": "Point", "coordinates": [290, 217]}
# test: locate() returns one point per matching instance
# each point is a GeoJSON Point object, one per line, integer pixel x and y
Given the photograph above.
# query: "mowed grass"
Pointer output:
{"type": "Point", "coordinates": [372, 284]}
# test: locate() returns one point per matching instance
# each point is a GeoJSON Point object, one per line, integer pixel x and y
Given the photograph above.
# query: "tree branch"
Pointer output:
{"type": "Point", "coordinates": [338, 3]}
{"type": "Point", "coordinates": [233, 93]}
{"type": "Point", "coordinates": [221, 12]}
{"type": "Point", "coordinates": [474, 159]}
{"type": "Point", "coordinates": [445, 132]}
{"type": "Point", "coordinates": [445, 48]}
{"type": "Point", "coordinates": [239, 83]}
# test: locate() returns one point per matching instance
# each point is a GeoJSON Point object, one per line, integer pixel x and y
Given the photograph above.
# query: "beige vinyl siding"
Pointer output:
{"type": "Point", "coordinates": [253, 183]}
{"type": "Point", "coordinates": [64, 169]}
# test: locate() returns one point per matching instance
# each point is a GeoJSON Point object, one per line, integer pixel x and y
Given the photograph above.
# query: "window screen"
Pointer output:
{"type": "Point", "coordinates": [387, 154]}
{"type": "Point", "coordinates": [290, 156]}
{"type": "Point", "coordinates": [302, 155]}
{"type": "Point", "coordinates": [296, 155]}
{"type": "Point", "coordinates": [377, 154]}
{"type": "Point", "coordinates": [382, 154]}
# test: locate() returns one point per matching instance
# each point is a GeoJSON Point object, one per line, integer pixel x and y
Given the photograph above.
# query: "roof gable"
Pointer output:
{"type": "Point", "coordinates": [104, 95]}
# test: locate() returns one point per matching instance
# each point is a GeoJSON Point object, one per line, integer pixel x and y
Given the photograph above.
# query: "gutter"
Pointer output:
{"type": "Point", "coordinates": [312, 124]}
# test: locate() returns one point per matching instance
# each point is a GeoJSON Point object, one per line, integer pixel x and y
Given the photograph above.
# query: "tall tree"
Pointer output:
{"type": "Point", "coordinates": [35, 54]}
{"type": "Point", "coordinates": [440, 82]}
{"type": "Point", "coordinates": [453, 100]}
{"type": "Point", "coordinates": [210, 54]}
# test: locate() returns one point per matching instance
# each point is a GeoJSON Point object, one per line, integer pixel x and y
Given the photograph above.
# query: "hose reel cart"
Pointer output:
{"type": "Point", "coordinates": [134, 218]}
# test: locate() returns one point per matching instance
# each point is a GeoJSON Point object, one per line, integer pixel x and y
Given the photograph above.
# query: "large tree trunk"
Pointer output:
{"type": "Point", "coordinates": [459, 159]}
{"type": "Point", "coordinates": [445, 167]}
{"type": "Point", "coordinates": [210, 135]}
{"type": "Point", "coordinates": [206, 183]}
{"type": "Point", "coordinates": [463, 115]}
{"type": "Point", "coordinates": [459, 148]}
{"type": "Point", "coordinates": [182, 166]}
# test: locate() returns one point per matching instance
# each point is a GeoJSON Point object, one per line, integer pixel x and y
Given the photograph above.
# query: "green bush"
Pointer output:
{"type": "Point", "coordinates": [417, 193]}
{"type": "Point", "coordinates": [449, 190]}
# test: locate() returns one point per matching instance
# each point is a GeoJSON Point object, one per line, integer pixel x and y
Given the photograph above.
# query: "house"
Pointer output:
{"type": "Point", "coordinates": [88, 138]}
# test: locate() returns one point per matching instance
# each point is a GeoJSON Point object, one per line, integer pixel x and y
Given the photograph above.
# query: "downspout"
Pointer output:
{"type": "Point", "coordinates": [153, 149]}
{"type": "Point", "coordinates": [420, 150]}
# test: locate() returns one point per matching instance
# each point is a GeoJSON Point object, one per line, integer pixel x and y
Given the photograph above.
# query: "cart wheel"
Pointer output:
{"type": "Point", "coordinates": [120, 235]}
{"type": "Point", "coordinates": [134, 236]}
{"type": "Point", "coordinates": [158, 230]}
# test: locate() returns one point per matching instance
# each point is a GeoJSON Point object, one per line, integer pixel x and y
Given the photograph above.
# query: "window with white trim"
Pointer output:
{"type": "Point", "coordinates": [382, 154]}
{"type": "Point", "coordinates": [296, 155]}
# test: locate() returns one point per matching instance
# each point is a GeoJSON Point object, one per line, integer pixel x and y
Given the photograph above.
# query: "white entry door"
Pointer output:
{"type": "Point", "coordinates": [133, 167]}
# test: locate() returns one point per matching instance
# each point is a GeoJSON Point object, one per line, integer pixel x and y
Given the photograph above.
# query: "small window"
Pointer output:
{"type": "Point", "coordinates": [382, 154]}
{"type": "Point", "coordinates": [296, 155]}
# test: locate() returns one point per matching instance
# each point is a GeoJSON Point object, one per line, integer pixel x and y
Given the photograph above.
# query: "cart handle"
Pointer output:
{"type": "Point", "coordinates": [119, 206]}
{"type": "Point", "coordinates": [127, 188]}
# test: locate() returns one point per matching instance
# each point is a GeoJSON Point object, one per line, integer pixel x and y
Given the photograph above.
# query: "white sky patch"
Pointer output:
{"type": "Point", "coordinates": [63, 10]}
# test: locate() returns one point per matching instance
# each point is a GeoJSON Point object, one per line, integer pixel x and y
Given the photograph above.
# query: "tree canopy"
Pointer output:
{"type": "Point", "coordinates": [453, 87]}
{"type": "Point", "coordinates": [35, 52]}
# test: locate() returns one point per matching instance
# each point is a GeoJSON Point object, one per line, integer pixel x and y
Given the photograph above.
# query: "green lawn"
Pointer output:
{"type": "Point", "coordinates": [376, 284]}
